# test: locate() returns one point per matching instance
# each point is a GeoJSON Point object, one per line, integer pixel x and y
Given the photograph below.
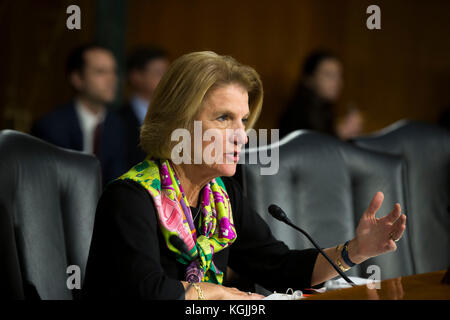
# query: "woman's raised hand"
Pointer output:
{"type": "Point", "coordinates": [375, 236]}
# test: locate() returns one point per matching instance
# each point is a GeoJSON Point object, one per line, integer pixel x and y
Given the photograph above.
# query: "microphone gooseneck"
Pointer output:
{"type": "Point", "coordinates": [280, 215]}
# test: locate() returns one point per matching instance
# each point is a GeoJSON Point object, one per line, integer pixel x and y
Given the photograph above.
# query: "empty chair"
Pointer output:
{"type": "Point", "coordinates": [426, 152]}
{"type": "Point", "coordinates": [324, 185]}
{"type": "Point", "coordinates": [50, 195]}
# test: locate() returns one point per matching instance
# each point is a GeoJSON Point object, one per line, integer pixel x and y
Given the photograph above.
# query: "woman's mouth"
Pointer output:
{"type": "Point", "coordinates": [232, 157]}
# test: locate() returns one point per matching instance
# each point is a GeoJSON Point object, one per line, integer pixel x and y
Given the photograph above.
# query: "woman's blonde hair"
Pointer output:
{"type": "Point", "coordinates": [182, 90]}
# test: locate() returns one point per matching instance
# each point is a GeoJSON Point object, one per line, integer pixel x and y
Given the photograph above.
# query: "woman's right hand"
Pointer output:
{"type": "Point", "coordinates": [236, 294]}
{"type": "Point", "coordinates": [217, 292]}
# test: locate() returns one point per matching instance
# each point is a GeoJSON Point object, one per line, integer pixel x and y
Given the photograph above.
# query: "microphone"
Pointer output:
{"type": "Point", "coordinates": [280, 215]}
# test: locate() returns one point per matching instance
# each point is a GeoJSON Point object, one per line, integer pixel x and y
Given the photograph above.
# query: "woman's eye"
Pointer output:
{"type": "Point", "coordinates": [245, 120]}
{"type": "Point", "coordinates": [222, 118]}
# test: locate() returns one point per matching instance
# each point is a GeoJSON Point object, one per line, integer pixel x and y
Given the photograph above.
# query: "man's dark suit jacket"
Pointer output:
{"type": "Point", "coordinates": [62, 128]}
{"type": "Point", "coordinates": [134, 154]}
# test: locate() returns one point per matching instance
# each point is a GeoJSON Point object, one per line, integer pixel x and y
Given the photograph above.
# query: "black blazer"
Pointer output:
{"type": "Point", "coordinates": [134, 154]}
{"type": "Point", "coordinates": [62, 128]}
{"type": "Point", "coordinates": [129, 258]}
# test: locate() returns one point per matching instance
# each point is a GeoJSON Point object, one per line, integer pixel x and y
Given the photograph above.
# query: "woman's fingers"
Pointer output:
{"type": "Point", "coordinates": [236, 294]}
{"type": "Point", "coordinates": [255, 296]}
{"type": "Point", "coordinates": [391, 246]}
{"type": "Point", "coordinates": [246, 296]}
{"type": "Point", "coordinates": [375, 204]}
{"type": "Point", "coordinates": [250, 296]}
{"type": "Point", "coordinates": [394, 214]}
{"type": "Point", "coordinates": [398, 227]}
{"type": "Point", "coordinates": [395, 233]}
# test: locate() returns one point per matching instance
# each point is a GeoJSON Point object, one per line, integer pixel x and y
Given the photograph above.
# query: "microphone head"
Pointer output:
{"type": "Point", "coordinates": [179, 244]}
{"type": "Point", "coordinates": [278, 213]}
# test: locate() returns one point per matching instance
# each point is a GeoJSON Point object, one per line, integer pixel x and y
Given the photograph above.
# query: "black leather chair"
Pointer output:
{"type": "Point", "coordinates": [426, 151]}
{"type": "Point", "coordinates": [10, 277]}
{"type": "Point", "coordinates": [324, 185]}
{"type": "Point", "coordinates": [49, 195]}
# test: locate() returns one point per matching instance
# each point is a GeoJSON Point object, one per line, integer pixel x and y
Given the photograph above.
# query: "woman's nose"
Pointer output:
{"type": "Point", "coordinates": [239, 137]}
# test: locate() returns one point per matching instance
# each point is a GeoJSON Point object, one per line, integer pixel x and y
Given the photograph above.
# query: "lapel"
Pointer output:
{"type": "Point", "coordinates": [132, 117]}
{"type": "Point", "coordinates": [76, 136]}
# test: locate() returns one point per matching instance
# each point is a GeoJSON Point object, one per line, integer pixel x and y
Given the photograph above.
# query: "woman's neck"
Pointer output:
{"type": "Point", "coordinates": [191, 181]}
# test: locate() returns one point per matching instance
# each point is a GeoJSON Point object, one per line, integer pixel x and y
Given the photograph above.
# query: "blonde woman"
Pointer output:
{"type": "Point", "coordinates": [132, 254]}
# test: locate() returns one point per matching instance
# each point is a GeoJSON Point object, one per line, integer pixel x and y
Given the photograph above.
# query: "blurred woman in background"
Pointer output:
{"type": "Point", "coordinates": [312, 105]}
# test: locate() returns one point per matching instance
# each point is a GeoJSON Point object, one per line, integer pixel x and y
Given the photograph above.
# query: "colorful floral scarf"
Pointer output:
{"type": "Point", "coordinates": [216, 229]}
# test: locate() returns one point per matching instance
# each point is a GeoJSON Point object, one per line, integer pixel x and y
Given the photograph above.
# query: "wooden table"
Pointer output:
{"type": "Point", "coordinates": [426, 286]}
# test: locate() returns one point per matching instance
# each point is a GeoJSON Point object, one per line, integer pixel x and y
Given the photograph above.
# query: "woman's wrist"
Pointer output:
{"type": "Point", "coordinates": [201, 291]}
{"type": "Point", "coordinates": [210, 291]}
{"type": "Point", "coordinates": [354, 252]}
{"type": "Point", "coordinates": [197, 287]}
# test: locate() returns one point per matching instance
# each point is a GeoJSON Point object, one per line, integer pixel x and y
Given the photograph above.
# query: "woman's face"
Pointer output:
{"type": "Point", "coordinates": [327, 80]}
{"type": "Point", "coordinates": [223, 117]}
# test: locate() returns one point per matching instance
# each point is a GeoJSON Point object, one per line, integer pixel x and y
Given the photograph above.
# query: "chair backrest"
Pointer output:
{"type": "Point", "coordinates": [10, 278]}
{"type": "Point", "coordinates": [51, 195]}
{"type": "Point", "coordinates": [324, 185]}
{"type": "Point", "coordinates": [426, 152]}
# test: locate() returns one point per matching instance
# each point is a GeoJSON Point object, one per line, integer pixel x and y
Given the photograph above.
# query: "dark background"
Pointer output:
{"type": "Point", "coordinates": [400, 71]}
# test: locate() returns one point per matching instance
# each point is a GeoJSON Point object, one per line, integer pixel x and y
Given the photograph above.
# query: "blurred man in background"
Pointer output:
{"type": "Point", "coordinates": [85, 124]}
{"type": "Point", "coordinates": [145, 68]}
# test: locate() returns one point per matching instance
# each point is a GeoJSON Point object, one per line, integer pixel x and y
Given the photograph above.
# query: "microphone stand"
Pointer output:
{"type": "Point", "coordinates": [280, 215]}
